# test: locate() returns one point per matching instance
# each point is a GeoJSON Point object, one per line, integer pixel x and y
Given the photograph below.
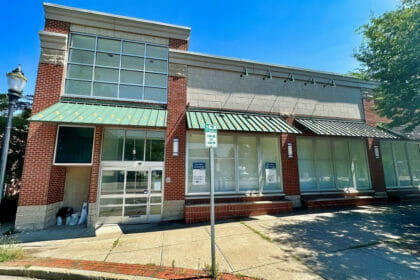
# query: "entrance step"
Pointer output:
{"type": "Point", "coordinates": [342, 201]}
{"type": "Point", "coordinates": [196, 213]}
{"type": "Point", "coordinates": [404, 196]}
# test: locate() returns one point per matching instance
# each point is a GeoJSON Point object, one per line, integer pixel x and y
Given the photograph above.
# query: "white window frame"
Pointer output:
{"type": "Point", "coordinates": [119, 68]}
{"type": "Point", "coordinates": [334, 167]}
{"type": "Point", "coordinates": [398, 186]}
{"type": "Point", "coordinates": [56, 142]}
{"type": "Point", "coordinates": [237, 191]}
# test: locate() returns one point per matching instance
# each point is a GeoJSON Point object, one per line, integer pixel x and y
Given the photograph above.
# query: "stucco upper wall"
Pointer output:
{"type": "Point", "coordinates": [214, 88]}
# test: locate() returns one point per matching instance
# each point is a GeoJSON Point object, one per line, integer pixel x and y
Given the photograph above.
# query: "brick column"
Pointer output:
{"type": "Point", "coordinates": [290, 170]}
{"type": "Point", "coordinates": [94, 177]}
{"type": "Point", "coordinates": [42, 183]}
{"type": "Point", "coordinates": [173, 207]}
{"type": "Point", "coordinates": [375, 167]}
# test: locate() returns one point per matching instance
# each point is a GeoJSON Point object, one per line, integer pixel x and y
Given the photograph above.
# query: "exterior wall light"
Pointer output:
{"type": "Point", "coordinates": [290, 78]}
{"type": "Point", "coordinates": [268, 76]}
{"type": "Point", "coordinates": [175, 147]}
{"type": "Point", "coordinates": [376, 151]}
{"type": "Point", "coordinates": [289, 150]}
{"type": "Point", "coordinates": [331, 83]}
{"type": "Point", "coordinates": [244, 72]}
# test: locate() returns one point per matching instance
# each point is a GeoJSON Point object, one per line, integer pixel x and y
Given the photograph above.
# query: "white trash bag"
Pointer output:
{"type": "Point", "coordinates": [83, 216]}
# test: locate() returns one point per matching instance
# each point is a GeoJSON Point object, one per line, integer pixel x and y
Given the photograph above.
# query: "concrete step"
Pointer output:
{"type": "Point", "coordinates": [341, 201]}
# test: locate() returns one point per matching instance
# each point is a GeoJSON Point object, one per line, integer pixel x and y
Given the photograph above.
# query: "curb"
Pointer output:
{"type": "Point", "coordinates": [64, 274]}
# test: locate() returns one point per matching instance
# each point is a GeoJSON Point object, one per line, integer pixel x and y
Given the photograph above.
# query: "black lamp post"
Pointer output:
{"type": "Point", "coordinates": [16, 81]}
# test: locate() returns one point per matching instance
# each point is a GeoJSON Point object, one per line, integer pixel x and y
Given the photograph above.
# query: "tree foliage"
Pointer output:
{"type": "Point", "coordinates": [390, 54]}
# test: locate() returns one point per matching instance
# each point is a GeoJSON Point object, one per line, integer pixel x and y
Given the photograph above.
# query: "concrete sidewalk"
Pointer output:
{"type": "Point", "coordinates": [374, 242]}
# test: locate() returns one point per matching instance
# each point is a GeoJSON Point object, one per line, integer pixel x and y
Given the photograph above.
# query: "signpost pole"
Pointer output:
{"type": "Point", "coordinates": [213, 245]}
{"type": "Point", "coordinates": [210, 132]}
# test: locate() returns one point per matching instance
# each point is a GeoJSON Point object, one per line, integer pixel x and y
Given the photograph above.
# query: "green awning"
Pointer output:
{"type": "Point", "coordinates": [230, 121]}
{"type": "Point", "coordinates": [343, 128]}
{"type": "Point", "coordinates": [99, 114]}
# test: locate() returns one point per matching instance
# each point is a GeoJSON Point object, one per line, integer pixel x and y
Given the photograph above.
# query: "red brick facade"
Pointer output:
{"type": "Point", "coordinates": [377, 175]}
{"type": "Point", "coordinates": [371, 117]}
{"type": "Point", "coordinates": [43, 183]}
{"type": "Point", "coordinates": [96, 161]}
{"type": "Point", "coordinates": [178, 44]}
{"type": "Point", "coordinates": [176, 127]}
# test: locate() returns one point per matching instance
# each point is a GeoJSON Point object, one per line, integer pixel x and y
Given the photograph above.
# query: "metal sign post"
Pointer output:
{"type": "Point", "coordinates": [211, 142]}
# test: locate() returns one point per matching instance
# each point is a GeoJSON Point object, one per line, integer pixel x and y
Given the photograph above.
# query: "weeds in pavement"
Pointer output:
{"type": "Point", "coordinates": [9, 249]}
{"type": "Point", "coordinates": [115, 244]}
{"type": "Point", "coordinates": [262, 235]}
{"type": "Point", "coordinates": [208, 270]}
{"type": "Point", "coordinates": [173, 264]}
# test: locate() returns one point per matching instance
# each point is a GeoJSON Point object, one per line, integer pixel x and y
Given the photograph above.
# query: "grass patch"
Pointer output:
{"type": "Point", "coordinates": [262, 235]}
{"type": "Point", "coordinates": [297, 258]}
{"type": "Point", "coordinates": [208, 270]}
{"type": "Point", "coordinates": [9, 249]}
{"type": "Point", "coordinates": [115, 243]}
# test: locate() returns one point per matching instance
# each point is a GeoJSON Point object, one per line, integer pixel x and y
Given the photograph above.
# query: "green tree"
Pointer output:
{"type": "Point", "coordinates": [390, 54]}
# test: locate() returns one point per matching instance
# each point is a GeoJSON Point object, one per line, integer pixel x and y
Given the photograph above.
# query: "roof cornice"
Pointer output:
{"type": "Point", "coordinates": [260, 68]}
{"type": "Point", "coordinates": [115, 22]}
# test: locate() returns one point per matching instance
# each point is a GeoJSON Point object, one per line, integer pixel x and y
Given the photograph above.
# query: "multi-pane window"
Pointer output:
{"type": "Point", "coordinates": [133, 145]}
{"type": "Point", "coordinates": [401, 162]}
{"type": "Point", "coordinates": [74, 145]}
{"type": "Point", "coordinates": [332, 164]}
{"type": "Point", "coordinates": [118, 69]}
{"type": "Point", "coordinates": [241, 164]}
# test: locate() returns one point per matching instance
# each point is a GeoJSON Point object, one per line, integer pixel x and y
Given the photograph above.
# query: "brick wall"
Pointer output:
{"type": "Point", "coordinates": [375, 166]}
{"type": "Point", "coordinates": [176, 128]}
{"type": "Point", "coordinates": [178, 44]}
{"type": "Point", "coordinates": [371, 117]}
{"type": "Point", "coordinates": [57, 26]}
{"type": "Point", "coordinates": [289, 165]}
{"type": "Point", "coordinates": [43, 183]}
{"type": "Point", "coordinates": [94, 174]}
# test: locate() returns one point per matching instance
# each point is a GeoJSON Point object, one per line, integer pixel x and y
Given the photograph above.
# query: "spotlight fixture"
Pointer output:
{"type": "Point", "coordinates": [268, 76]}
{"type": "Point", "coordinates": [310, 81]}
{"type": "Point", "coordinates": [290, 78]}
{"type": "Point", "coordinates": [244, 72]}
{"type": "Point", "coordinates": [331, 83]}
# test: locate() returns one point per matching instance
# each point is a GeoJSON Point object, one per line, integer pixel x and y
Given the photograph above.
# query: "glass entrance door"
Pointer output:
{"type": "Point", "coordinates": [130, 195]}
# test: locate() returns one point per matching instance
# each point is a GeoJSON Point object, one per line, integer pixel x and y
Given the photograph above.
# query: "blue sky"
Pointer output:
{"type": "Point", "coordinates": [314, 34]}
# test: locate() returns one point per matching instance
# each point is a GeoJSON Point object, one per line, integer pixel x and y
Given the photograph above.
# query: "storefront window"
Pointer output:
{"type": "Point", "coordinates": [401, 163]}
{"type": "Point", "coordinates": [74, 145]}
{"type": "Point", "coordinates": [270, 160]}
{"type": "Point", "coordinates": [331, 164]}
{"type": "Point", "coordinates": [133, 145]}
{"type": "Point", "coordinates": [117, 69]}
{"type": "Point", "coordinates": [242, 164]}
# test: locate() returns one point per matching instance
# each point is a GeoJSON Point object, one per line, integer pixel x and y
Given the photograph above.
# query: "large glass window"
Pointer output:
{"type": "Point", "coordinates": [74, 145]}
{"type": "Point", "coordinates": [119, 69]}
{"type": "Point", "coordinates": [241, 164]}
{"type": "Point", "coordinates": [133, 145]}
{"type": "Point", "coordinates": [401, 163]}
{"type": "Point", "coordinates": [332, 164]}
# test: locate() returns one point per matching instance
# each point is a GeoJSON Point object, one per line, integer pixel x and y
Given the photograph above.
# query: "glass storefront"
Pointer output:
{"type": "Point", "coordinates": [242, 164]}
{"type": "Point", "coordinates": [329, 164]}
{"type": "Point", "coordinates": [401, 163]}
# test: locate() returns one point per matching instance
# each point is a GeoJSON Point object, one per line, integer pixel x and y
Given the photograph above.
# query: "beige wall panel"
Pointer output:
{"type": "Point", "coordinates": [227, 90]}
{"type": "Point", "coordinates": [76, 188]}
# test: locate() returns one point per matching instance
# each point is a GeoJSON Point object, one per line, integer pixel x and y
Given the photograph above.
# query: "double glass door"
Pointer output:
{"type": "Point", "coordinates": [130, 195]}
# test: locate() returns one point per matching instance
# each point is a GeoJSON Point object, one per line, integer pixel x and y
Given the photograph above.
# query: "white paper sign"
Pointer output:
{"type": "Point", "coordinates": [270, 173]}
{"type": "Point", "coordinates": [156, 185]}
{"type": "Point", "coordinates": [199, 173]}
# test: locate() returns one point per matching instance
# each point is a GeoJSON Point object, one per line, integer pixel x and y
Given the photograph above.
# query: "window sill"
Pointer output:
{"type": "Point", "coordinates": [206, 195]}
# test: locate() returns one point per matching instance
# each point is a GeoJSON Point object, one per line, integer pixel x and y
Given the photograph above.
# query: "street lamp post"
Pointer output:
{"type": "Point", "coordinates": [16, 81]}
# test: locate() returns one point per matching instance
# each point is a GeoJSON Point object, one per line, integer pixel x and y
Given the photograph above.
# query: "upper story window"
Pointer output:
{"type": "Point", "coordinates": [117, 69]}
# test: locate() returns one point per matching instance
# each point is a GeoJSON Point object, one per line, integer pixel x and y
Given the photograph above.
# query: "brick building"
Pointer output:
{"type": "Point", "coordinates": [119, 110]}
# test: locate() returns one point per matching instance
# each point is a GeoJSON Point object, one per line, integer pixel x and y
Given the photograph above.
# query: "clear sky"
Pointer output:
{"type": "Point", "coordinates": [314, 34]}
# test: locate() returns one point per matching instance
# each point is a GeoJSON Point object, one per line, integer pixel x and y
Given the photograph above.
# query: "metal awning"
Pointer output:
{"type": "Point", "coordinates": [344, 128]}
{"type": "Point", "coordinates": [230, 121]}
{"type": "Point", "coordinates": [76, 113]}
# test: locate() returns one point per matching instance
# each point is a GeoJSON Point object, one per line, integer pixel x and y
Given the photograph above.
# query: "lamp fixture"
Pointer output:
{"type": "Point", "coordinates": [244, 72]}
{"type": "Point", "coordinates": [331, 83]}
{"type": "Point", "coordinates": [376, 151]}
{"type": "Point", "coordinates": [175, 147]}
{"type": "Point", "coordinates": [310, 81]}
{"type": "Point", "coordinates": [289, 78]}
{"type": "Point", "coordinates": [289, 150]}
{"type": "Point", "coordinates": [268, 76]}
